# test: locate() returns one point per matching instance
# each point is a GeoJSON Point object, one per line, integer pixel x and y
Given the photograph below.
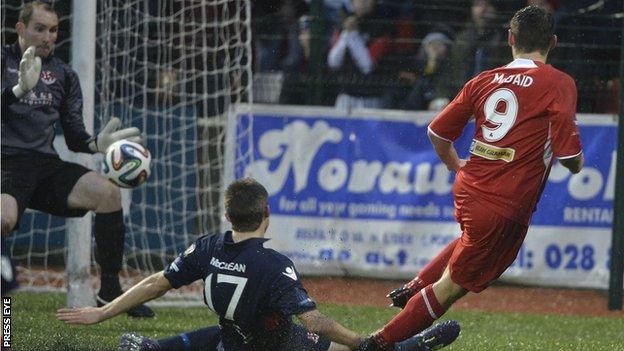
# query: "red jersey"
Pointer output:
{"type": "Point", "coordinates": [524, 113]}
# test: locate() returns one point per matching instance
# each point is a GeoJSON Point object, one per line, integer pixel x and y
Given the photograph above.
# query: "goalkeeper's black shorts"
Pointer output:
{"type": "Point", "coordinates": [41, 182]}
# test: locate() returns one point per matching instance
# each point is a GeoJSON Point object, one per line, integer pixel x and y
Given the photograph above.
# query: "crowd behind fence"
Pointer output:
{"type": "Point", "coordinates": [402, 54]}
{"type": "Point", "coordinates": [416, 55]}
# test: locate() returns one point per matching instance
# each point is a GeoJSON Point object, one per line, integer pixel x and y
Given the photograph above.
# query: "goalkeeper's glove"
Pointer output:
{"type": "Point", "coordinates": [29, 71]}
{"type": "Point", "coordinates": [109, 134]}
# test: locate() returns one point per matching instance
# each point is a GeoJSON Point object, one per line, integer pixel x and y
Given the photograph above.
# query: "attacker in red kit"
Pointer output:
{"type": "Point", "coordinates": [524, 114]}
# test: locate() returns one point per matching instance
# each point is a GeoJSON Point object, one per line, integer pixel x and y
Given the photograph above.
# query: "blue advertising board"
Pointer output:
{"type": "Point", "coordinates": [364, 193]}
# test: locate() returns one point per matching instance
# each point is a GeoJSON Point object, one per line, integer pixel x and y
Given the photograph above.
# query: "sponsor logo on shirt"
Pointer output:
{"type": "Point", "coordinates": [33, 98]}
{"type": "Point", "coordinates": [491, 152]}
{"type": "Point", "coordinates": [48, 77]}
{"type": "Point", "coordinates": [189, 250]}
{"type": "Point", "coordinates": [290, 273]}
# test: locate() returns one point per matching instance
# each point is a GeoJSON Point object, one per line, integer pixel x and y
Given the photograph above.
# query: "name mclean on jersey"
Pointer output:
{"type": "Point", "coordinates": [230, 266]}
{"type": "Point", "coordinates": [517, 79]}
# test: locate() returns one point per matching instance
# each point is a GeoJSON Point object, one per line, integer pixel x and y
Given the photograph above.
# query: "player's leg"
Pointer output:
{"type": "Point", "coordinates": [205, 339]}
{"type": "Point", "coordinates": [426, 306]}
{"type": "Point", "coordinates": [9, 273]}
{"type": "Point", "coordinates": [19, 179]}
{"type": "Point", "coordinates": [337, 347]}
{"type": "Point", "coordinates": [71, 190]}
{"type": "Point", "coordinates": [429, 304]}
{"type": "Point", "coordinates": [198, 340]}
{"type": "Point", "coordinates": [20, 176]}
{"type": "Point", "coordinates": [488, 245]}
{"type": "Point", "coordinates": [433, 338]}
{"type": "Point", "coordinates": [96, 193]}
{"type": "Point", "coordinates": [136, 342]}
{"type": "Point", "coordinates": [93, 192]}
{"type": "Point", "coordinates": [9, 213]}
{"type": "Point", "coordinates": [431, 273]}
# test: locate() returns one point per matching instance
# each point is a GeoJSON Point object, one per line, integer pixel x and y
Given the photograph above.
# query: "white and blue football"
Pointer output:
{"type": "Point", "coordinates": [127, 163]}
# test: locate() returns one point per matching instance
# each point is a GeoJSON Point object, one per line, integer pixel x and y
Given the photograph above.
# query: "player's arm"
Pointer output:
{"type": "Point", "coordinates": [288, 296]}
{"type": "Point", "coordinates": [76, 135]}
{"type": "Point", "coordinates": [448, 126]}
{"type": "Point", "coordinates": [337, 53]}
{"type": "Point", "coordinates": [28, 76]}
{"type": "Point", "coordinates": [184, 270]}
{"type": "Point", "coordinates": [566, 141]}
{"type": "Point", "coordinates": [318, 323]}
{"type": "Point", "coordinates": [70, 112]}
{"type": "Point", "coordinates": [148, 289]}
{"type": "Point", "coordinates": [446, 152]}
{"type": "Point", "coordinates": [110, 134]}
{"type": "Point", "coordinates": [574, 163]}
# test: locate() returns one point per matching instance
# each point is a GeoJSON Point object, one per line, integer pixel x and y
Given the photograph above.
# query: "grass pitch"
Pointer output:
{"type": "Point", "coordinates": [34, 327]}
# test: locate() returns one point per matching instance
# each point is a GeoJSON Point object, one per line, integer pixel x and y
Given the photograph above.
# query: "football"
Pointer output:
{"type": "Point", "coordinates": [127, 164]}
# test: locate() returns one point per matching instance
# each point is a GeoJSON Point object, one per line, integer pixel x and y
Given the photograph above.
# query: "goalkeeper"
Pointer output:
{"type": "Point", "coordinates": [38, 90]}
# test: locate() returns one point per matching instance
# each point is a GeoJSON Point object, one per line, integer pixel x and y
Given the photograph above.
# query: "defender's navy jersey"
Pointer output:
{"type": "Point", "coordinates": [254, 290]}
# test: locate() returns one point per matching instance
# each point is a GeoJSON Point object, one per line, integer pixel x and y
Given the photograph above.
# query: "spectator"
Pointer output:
{"type": "Point", "coordinates": [334, 12]}
{"type": "Point", "coordinates": [356, 55]}
{"type": "Point", "coordinates": [589, 33]}
{"type": "Point", "coordinates": [275, 25]}
{"type": "Point", "coordinates": [297, 81]}
{"type": "Point", "coordinates": [479, 47]}
{"type": "Point", "coordinates": [416, 87]}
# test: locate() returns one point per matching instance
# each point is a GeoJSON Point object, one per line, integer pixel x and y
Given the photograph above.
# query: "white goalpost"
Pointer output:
{"type": "Point", "coordinates": [176, 70]}
{"type": "Point", "coordinates": [79, 289]}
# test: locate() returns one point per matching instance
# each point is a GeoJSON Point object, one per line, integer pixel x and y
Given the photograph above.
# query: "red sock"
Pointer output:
{"type": "Point", "coordinates": [434, 269]}
{"type": "Point", "coordinates": [419, 313]}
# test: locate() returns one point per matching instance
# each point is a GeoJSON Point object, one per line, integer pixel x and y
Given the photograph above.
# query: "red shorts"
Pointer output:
{"type": "Point", "coordinates": [488, 245]}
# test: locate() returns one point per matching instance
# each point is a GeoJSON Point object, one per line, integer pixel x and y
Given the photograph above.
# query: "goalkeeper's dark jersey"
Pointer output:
{"type": "Point", "coordinates": [28, 123]}
{"type": "Point", "coordinates": [254, 290]}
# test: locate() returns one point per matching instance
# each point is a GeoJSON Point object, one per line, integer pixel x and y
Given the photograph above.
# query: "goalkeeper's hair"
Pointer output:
{"type": "Point", "coordinates": [246, 204]}
{"type": "Point", "coordinates": [532, 28]}
{"type": "Point", "coordinates": [27, 10]}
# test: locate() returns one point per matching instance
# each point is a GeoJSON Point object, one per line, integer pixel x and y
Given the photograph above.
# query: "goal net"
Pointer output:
{"type": "Point", "coordinates": [176, 70]}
